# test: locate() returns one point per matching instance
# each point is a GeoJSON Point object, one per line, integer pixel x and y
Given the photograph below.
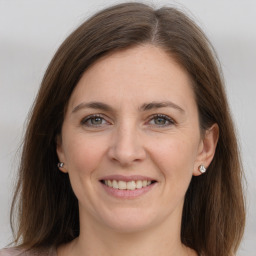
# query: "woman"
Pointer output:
{"type": "Point", "coordinates": [130, 148]}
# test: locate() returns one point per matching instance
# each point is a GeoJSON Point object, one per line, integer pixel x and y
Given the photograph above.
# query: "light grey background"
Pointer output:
{"type": "Point", "coordinates": [31, 31]}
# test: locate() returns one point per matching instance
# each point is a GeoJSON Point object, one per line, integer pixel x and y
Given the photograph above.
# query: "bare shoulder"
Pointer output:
{"type": "Point", "coordinates": [10, 252]}
{"type": "Point", "coordinates": [21, 252]}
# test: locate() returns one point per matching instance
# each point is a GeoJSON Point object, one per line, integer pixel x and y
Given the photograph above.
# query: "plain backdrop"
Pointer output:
{"type": "Point", "coordinates": [31, 31]}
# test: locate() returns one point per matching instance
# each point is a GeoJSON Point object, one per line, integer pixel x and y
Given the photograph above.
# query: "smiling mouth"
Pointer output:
{"type": "Point", "coordinates": [129, 185]}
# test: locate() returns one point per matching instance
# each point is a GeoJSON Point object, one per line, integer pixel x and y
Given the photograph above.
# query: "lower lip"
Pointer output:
{"type": "Point", "coordinates": [128, 194]}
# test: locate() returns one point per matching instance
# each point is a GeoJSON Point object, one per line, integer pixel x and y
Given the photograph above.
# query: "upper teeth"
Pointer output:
{"type": "Point", "coordinates": [130, 185]}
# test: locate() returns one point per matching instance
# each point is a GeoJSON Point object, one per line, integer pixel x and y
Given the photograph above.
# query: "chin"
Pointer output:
{"type": "Point", "coordinates": [129, 220]}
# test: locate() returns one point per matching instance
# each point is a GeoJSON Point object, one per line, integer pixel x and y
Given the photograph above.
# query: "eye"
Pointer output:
{"type": "Point", "coordinates": [94, 120]}
{"type": "Point", "coordinates": [161, 120]}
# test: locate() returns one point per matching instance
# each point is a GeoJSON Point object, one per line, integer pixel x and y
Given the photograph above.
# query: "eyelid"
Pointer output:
{"type": "Point", "coordinates": [166, 117]}
{"type": "Point", "coordinates": [169, 119]}
{"type": "Point", "coordinates": [85, 119]}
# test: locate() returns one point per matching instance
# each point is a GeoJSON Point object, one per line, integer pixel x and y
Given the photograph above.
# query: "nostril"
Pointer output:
{"type": "Point", "coordinates": [126, 150]}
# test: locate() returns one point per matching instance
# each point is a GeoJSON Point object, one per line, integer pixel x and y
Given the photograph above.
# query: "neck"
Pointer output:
{"type": "Point", "coordinates": [163, 239]}
{"type": "Point", "coordinates": [116, 244]}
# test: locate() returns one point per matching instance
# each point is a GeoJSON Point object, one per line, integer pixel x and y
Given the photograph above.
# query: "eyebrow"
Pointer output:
{"type": "Point", "coordinates": [155, 105]}
{"type": "Point", "coordinates": [93, 105]}
{"type": "Point", "coordinates": [144, 107]}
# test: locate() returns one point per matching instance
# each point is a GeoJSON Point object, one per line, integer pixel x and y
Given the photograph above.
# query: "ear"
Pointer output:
{"type": "Point", "coordinates": [207, 148]}
{"type": "Point", "coordinates": [60, 153]}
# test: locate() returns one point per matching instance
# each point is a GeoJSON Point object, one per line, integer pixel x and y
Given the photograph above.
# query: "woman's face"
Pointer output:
{"type": "Point", "coordinates": [131, 141]}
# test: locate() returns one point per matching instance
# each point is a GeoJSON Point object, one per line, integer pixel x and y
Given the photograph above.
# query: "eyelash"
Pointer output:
{"type": "Point", "coordinates": [165, 117]}
{"type": "Point", "coordinates": [89, 118]}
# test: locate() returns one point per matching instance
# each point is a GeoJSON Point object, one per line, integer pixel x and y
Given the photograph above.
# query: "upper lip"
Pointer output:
{"type": "Point", "coordinates": [127, 178]}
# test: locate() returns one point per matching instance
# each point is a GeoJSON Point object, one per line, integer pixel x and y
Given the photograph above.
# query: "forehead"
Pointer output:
{"type": "Point", "coordinates": [142, 73]}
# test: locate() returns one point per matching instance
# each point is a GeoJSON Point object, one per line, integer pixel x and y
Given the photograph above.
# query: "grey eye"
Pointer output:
{"type": "Point", "coordinates": [96, 120]}
{"type": "Point", "coordinates": [93, 121]}
{"type": "Point", "coordinates": [160, 120]}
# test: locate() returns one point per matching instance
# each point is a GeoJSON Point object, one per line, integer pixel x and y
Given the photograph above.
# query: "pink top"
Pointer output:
{"type": "Point", "coordinates": [19, 252]}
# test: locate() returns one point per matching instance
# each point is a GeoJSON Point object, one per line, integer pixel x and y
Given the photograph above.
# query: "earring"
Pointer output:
{"type": "Point", "coordinates": [202, 168]}
{"type": "Point", "coordinates": [60, 164]}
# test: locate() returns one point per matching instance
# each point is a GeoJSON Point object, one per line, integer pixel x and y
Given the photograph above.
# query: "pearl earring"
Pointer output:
{"type": "Point", "coordinates": [202, 168]}
{"type": "Point", "coordinates": [60, 164]}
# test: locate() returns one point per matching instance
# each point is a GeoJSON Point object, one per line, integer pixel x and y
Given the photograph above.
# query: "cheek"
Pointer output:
{"type": "Point", "coordinates": [83, 154]}
{"type": "Point", "coordinates": [175, 158]}
{"type": "Point", "coordinates": [177, 152]}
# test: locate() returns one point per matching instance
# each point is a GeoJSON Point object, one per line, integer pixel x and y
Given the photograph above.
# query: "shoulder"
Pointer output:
{"type": "Point", "coordinates": [22, 252]}
{"type": "Point", "coordinates": [10, 252]}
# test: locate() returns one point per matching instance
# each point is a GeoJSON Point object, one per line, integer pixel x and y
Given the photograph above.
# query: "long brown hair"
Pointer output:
{"type": "Point", "coordinates": [213, 215]}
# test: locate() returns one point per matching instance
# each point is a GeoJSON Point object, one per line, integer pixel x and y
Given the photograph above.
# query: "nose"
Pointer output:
{"type": "Point", "coordinates": [127, 146]}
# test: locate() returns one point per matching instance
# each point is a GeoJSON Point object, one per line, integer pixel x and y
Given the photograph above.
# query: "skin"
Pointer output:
{"type": "Point", "coordinates": [128, 141]}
